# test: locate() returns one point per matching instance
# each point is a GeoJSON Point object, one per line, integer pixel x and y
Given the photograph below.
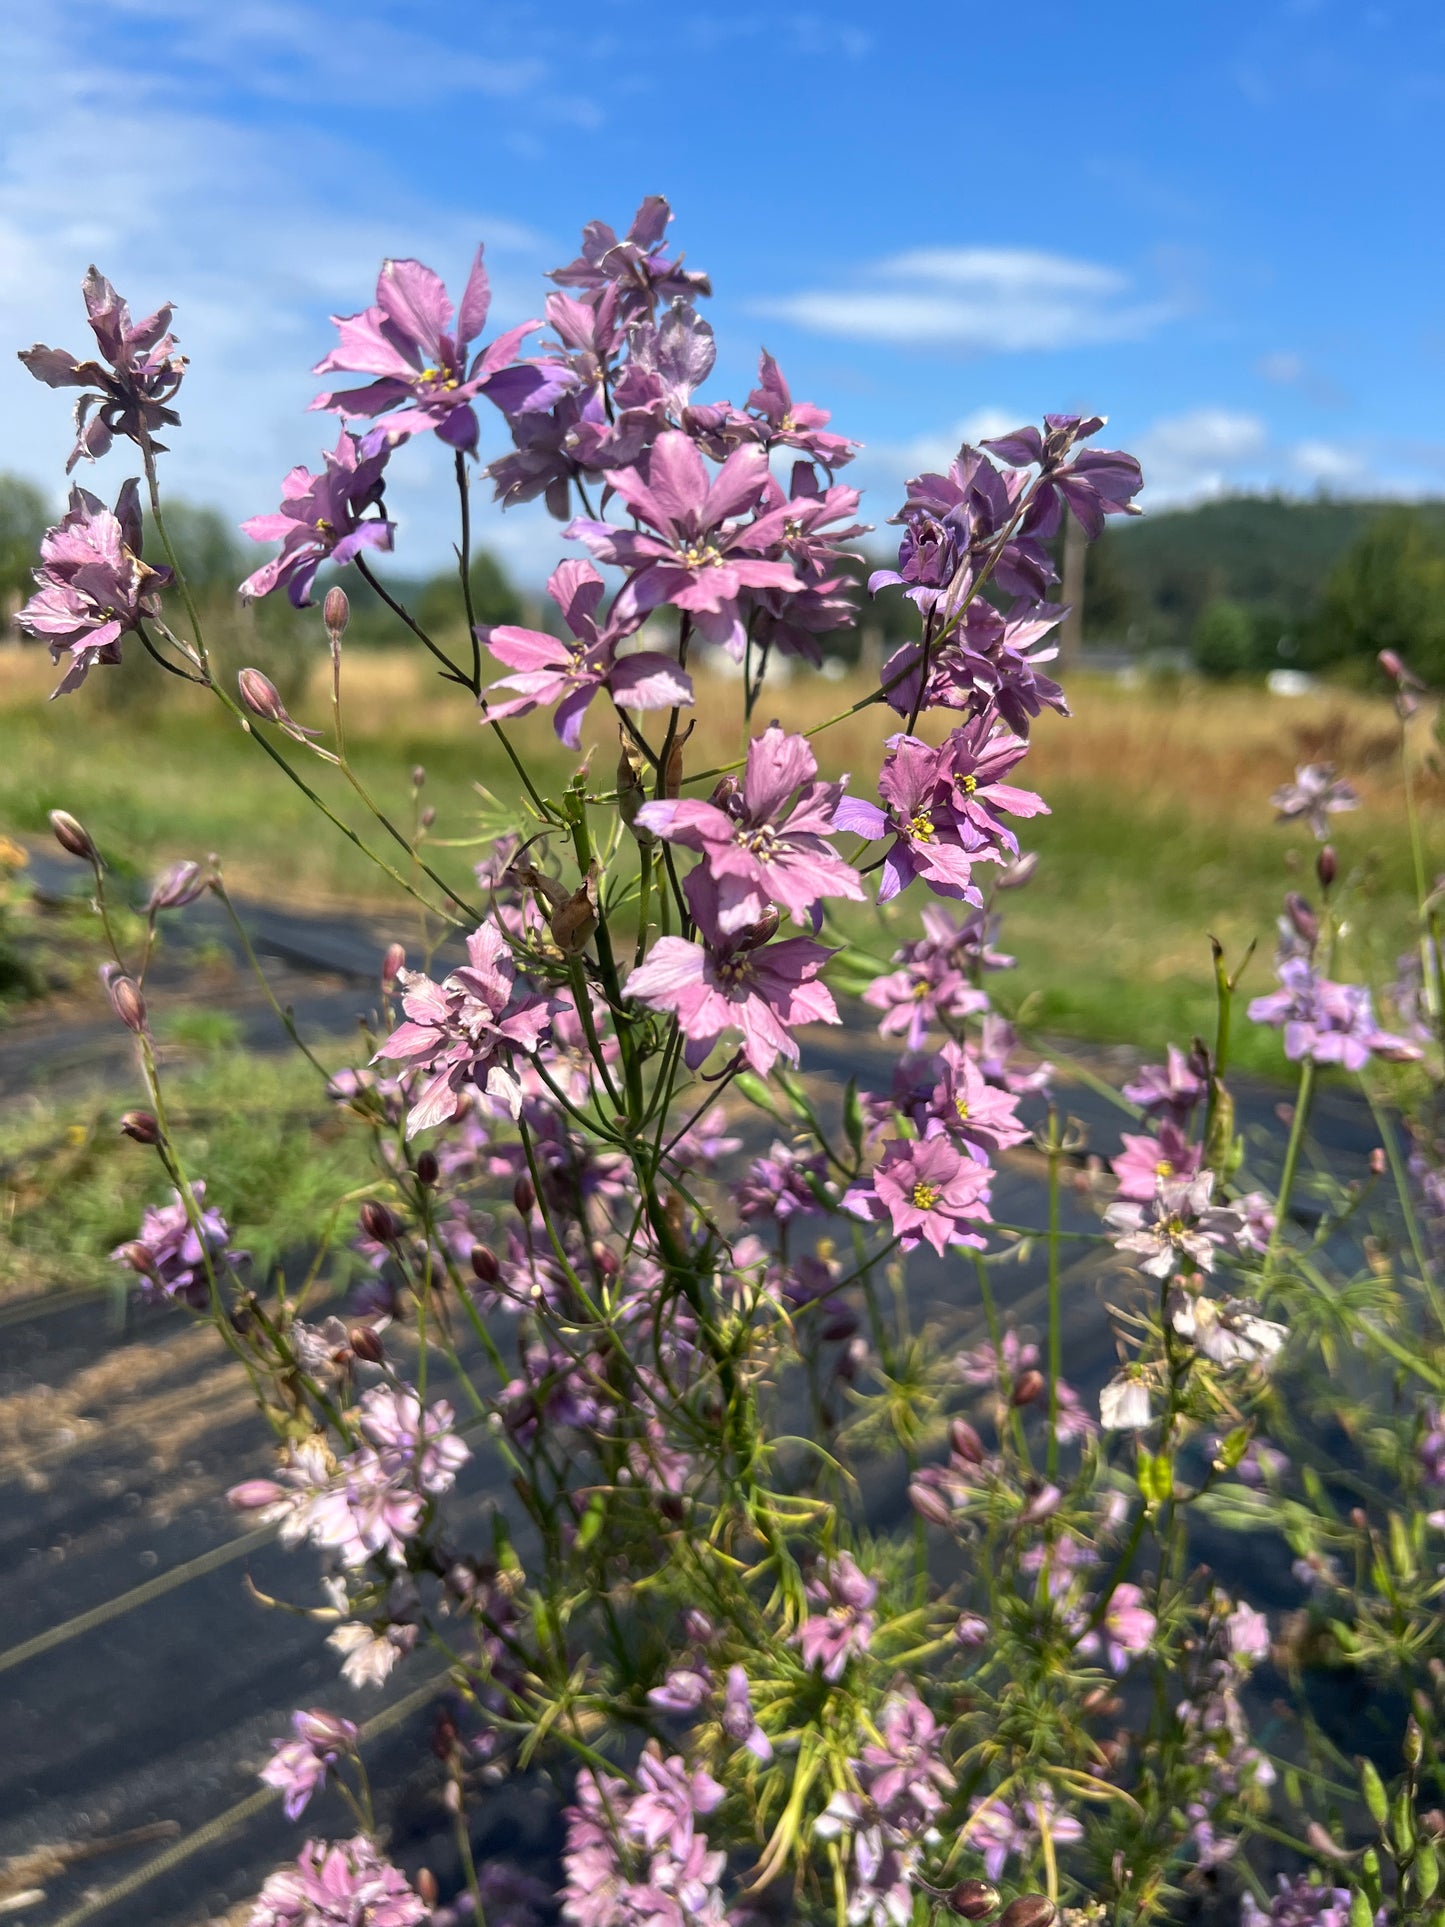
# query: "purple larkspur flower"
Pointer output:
{"type": "Point", "coordinates": [614, 1880]}
{"type": "Point", "coordinates": [1171, 1089]}
{"type": "Point", "coordinates": [92, 586]}
{"type": "Point", "coordinates": [1127, 1629]}
{"type": "Point", "coordinates": [998, 1830]}
{"type": "Point", "coordinates": [1230, 1332]}
{"type": "Point", "coordinates": [1300, 1902]}
{"type": "Point", "coordinates": [131, 387]}
{"type": "Point", "coordinates": [322, 518]}
{"type": "Point", "coordinates": [635, 265]}
{"type": "Point", "coordinates": [462, 1031]}
{"type": "Point", "coordinates": [844, 1627]}
{"type": "Point", "coordinates": [174, 1257]}
{"type": "Point", "coordinates": [1094, 482]}
{"type": "Point", "coordinates": [341, 1884]}
{"type": "Point", "coordinates": [792, 424]}
{"type": "Point", "coordinates": [926, 1189]}
{"type": "Point", "coordinates": [975, 760]}
{"type": "Point", "coordinates": [1144, 1160]}
{"type": "Point", "coordinates": [299, 1766]}
{"type": "Point", "coordinates": [416, 346]}
{"type": "Point", "coordinates": [986, 1367]}
{"type": "Point", "coordinates": [765, 841]}
{"type": "Point", "coordinates": [742, 982]}
{"type": "Point", "coordinates": [737, 1716]}
{"type": "Point", "coordinates": [683, 1689]}
{"type": "Point", "coordinates": [670, 1798]}
{"type": "Point", "coordinates": [1313, 797]}
{"type": "Point", "coordinates": [927, 992]}
{"type": "Point", "coordinates": [412, 1441]}
{"type": "Point", "coordinates": [980, 1116]}
{"type": "Point", "coordinates": [783, 1185]}
{"type": "Point", "coordinates": [928, 834]}
{"type": "Point", "coordinates": [1329, 1022]}
{"type": "Point", "coordinates": [998, 1054]}
{"type": "Point", "coordinates": [551, 671]}
{"type": "Point", "coordinates": [1180, 1224]}
{"type": "Point", "coordinates": [692, 553]}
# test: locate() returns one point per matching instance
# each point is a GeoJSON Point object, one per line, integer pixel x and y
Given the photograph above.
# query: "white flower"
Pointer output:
{"type": "Point", "coordinates": [1124, 1404]}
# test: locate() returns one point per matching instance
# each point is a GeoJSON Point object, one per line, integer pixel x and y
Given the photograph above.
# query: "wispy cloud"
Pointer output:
{"type": "Point", "coordinates": [979, 301]}
{"type": "Point", "coordinates": [1205, 452]}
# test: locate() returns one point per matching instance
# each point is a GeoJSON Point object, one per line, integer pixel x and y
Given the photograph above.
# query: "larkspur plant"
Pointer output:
{"type": "Point", "coordinates": [754, 1697]}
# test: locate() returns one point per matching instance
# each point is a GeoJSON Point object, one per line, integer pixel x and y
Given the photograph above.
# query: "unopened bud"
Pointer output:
{"type": "Point", "coordinates": [631, 792]}
{"type": "Point", "coordinates": [1015, 875]}
{"type": "Point", "coordinates": [336, 612]}
{"type": "Point", "coordinates": [966, 1443]}
{"type": "Point", "coordinates": [427, 1168]}
{"type": "Point", "coordinates": [761, 932]}
{"type": "Point", "coordinates": [366, 1344]}
{"type": "Point", "coordinates": [1377, 1161]}
{"type": "Point", "coordinates": [1414, 1747]}
{"type": "Point", "coordinates": [605, 1259]}
{"type": "Point", "coordinates": [1305, 922]}
{"type": "Point", "coordinates": [418, 775]}
{"type": "Point", "coordinates": [1392, 664]}
{"type": "Point", "coordinates": [1027, 1387]}
{"type": "Point", "coordinates": [524, 1196]}
{"type": "Point", "coordinates": [141, 1126]}
{"type": "Point", "coordinates": [726, 792]}
{"type": "Point", "coordinates": [391, 963]}
{"type": "Point", "coordinates": [484, 1265]}
{"type": "Point", "coordinates": [1327, 866]}
{"type": "Point", "coordinates": [137, 1256]}
{"type": "Point", "coordinates": [73, 837]}
{"type": "Point", "coordinates": [672, 769]}
{"type": "Point", "coordinates": [261, 696]}
{"type": "Point", "coordinates": [180, 885]}
{"type": "Point", "coordinates": [427, 817]}
{"type": "Point", "coordinates": [426, 1885]}
{"type": "Point", "coordinates": [125, 998]}
{"type": "Point", "coordinates": [1029, 1910]}
{"type": "Point", "coordinates": [379, 1222]}
{"type": "Point", "coordinates": [974, 1899]}
{"type": "Point", "coordinates": [573, 922]}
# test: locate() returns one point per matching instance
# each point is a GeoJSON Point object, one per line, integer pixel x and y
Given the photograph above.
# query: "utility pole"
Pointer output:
{"type": "Point", "coordinates": [1071, 629]}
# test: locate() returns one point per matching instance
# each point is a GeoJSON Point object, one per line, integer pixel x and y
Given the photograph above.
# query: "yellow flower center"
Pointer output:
{"type": "Point", "coordinates": [324, 526]}
{"type": "Point", "coordinates": [968, 784]}
{"type": "Point", "coordinates": [960, 1104]}
{"type": "Point", "coordinates": [1163, 1169]}
{"type": "Point", "coordinates": [708, 556]}
{"type": "Point", "coordinates": [921, 826]}
{"type": "Point", "coordinates": [925, 1196]}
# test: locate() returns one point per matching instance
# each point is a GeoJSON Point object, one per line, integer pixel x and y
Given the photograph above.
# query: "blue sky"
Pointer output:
{"type": "Point", "coordinates": [1217, 222]}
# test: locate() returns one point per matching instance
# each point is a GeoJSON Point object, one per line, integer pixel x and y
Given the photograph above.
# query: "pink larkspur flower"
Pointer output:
{"type": "Point", "coordinates": [92, 586]}
{"type": "Point", "coordinates": [1144, 1160]}
{"type": "Point", "coordinates": [322, 518]}
{"type": "Point", "coordinates": [1329, 1022]}
{"type": "Point", "coordinates": [129, 390]}
{"type": "Point", "coordinates": [299, 1766]}
{"type": "Point", "coordinates": [926, 1189]}
{"type": "Point", "coordinates": [346, 1884]}
{"type": "Point", "coordinates": [830, 1638]}
{"type": "Point", "coordinates": [930, 839]}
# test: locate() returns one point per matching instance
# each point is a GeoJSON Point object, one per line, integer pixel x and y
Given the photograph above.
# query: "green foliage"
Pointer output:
{"type": "Point", "coordinates": [1223, 641]}
{"type": "Point", "coordinates": [440, 608]}
{"type": "Point", "coordinates": [24, 516]}
{"type": "Point", "coordinates": [1387, 592]}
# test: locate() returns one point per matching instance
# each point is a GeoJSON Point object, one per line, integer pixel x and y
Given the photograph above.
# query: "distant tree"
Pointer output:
{"type": "Point", "coordinates": [1387, 592]}
{"type": "Point", "coordinates": [212, 553]}
{"type": "Point", "coordinates": [440, 606]}
{"type": "Point", "coordinates": [1108, 599]}
{"type": "Point", "coordinates": [24, 517]}
{"type": "Point", "coordinates": [1223, 640]}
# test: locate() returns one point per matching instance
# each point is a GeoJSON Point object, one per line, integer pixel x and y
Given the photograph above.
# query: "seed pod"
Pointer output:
{"type": "Point", "coordinates": [366, 1344]}
{"type": "Point", "coordinates": [1029, 1910]}
{"type": "Point", "coordinates": [427, 1168]}
{"type": "Point", "coordinates": [1015, 875]}
{"type": "Point", "coordinates": [631, 792]}
{"type": "Point", "coordinates": [1327, 866]}
{"type": "Point", "coordinates": [672, 770]}
{"type": "Point", "coordinates": [379, 1222]}
{"type": "Point", "coordinates": [966, 1443]}
{"type": "Point", "coordinates": [393, 962]}
{"type": "Point", "coordinates": [73, 837]}
{"type": "Point", "coordinates": [336, 613]}
{"type": "Point", "coordinates": [974, 1899]}
{"type": "Point", "coordinates": [523, 1195]}
{"type": "Point", "coordinates": [573, 923]}
{"type": "Point", "coordinates": [485, 1265]}
{"type": "Point", "coordinates": [141, 1126]}
{"type": "Point", "coordinates": [125, 998]}
{"type": "Point", "coordinates": [1027, 1387]}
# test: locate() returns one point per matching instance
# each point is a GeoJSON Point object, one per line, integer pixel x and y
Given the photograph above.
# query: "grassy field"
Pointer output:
{"type": "Point", "coordinates": [1161, 831]}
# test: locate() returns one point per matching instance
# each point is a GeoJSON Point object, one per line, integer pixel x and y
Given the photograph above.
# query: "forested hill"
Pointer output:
{"type": "Point", "coordinates": [1152, 578]}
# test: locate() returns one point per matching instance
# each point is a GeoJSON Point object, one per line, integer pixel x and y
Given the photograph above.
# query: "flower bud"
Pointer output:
{"type": "Point", "coordinates": [427, 1168]}
{"type": "Point", "coordinates": [605, 1259]}
{"type": "Point", "coordinates": [1027, 1387]}
{"type": "Point", "coordinates": [726, 791]}
{"type": "Point", "coordinates": [137, 1256]}
{"type": "Point", "coordinates": [336, 612]}
{"type": "Point", "coordinates": [761, 932]}
{"type": "Point", "coordinates": [140, 1126]}
{"type": "Point", "coordinates": [484, 1265]}
{"type": "Point", "coordinates": [366, 1344]}
{"type": "Point", "coordinates": [974, 1899]}
{"type": "Point", "coordinates": [379, 1222]}
{"type": "Point", "coordinates": [418, 775]}
{"type": "Point", "coordinates": [1015, 875]}
{"type": "Point", "coordinates": [73, 837]}
{"type": "Point", "coordinates": [427, 817]}
{"type": "Point", "coordinates": [426, 1885]}
{"type": "Point", "coordinates": [929, 1503]}
{"type": "Point", "coordinates": [391, 963]}
{"type": "Point", "coordinates": [1391, 664]}
{"type": "Point", "coordinates": [672, 769]}
{"type": "Point", "coordinates": [631, 791]}
{"type": "Point", "coordinates": [1377, 1161]}
{"type": "Point", "coordinates": [966, 1443]}
{"type": "Point", "coordinates": [1029, 1910]}
{"type": "Point", "coordinates": [261, 696]}
{"type": "Point", "coordinates": [180, 885]}
{"type": "Point", "coordinates": [523, 1195]}
{"type": "Point", "coordinates": [1326, 866]}
{"type": "Point", "coordinates": [1305, 922]}
{"type": "Point", "coordinates": [125, 998]}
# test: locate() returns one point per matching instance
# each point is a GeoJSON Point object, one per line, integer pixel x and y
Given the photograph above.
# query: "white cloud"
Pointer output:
{"type": "Point", "coordinates": [1328, 465]}
{"type": "Point", "coordinates": [1208, 451]}
{"type": "Point", "coordinates": [1284, 368]}
{"type": "Point", "coordinates": [977, 300]}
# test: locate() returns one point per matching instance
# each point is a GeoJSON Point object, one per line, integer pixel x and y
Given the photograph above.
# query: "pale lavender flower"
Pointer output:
{"type": "Point", "coordinates": [1171, 1089]}
{"type": "Point", "coordinates": [670, 1798]}
{"type": "Point", "coordinates": [1127, 1629]}
{"type": "Point", "coordinates": [998, 1052]}
{"type": "Point", "coordinates": [795, 424]}
{"type": "Point", "coordinates": [926, 992]}
{"type": "Point", "coordinates": [683, 1690]}
{"type": "Point", "coordinates": [1145, 1160]}
{"type": "Point", "coordinates": [764, 842]}
{"type": "Point", "coordinates": [1180, 1224]}
{"type": "Point", "coordinates": [697, 556]}
{"type": "Point", "coordinates": [299, 1766]}
{"type": "Point", "coordinates": [830, 1638]}
{"type": "Point", "coordinates": [1299, 1903]}
{"type": "Point", "coordinates": [322, 518]}
{"type": "Point", "coordinates": [977, 1114]}
{"type": "Point", "coordinates": [1000, 1831]}
{"type": "Point", "coordinates": [635, 265]}
{"type": "Point", "coordinates": [131, 394]}
{"type": "Point", "coordinates": [925, 1189]}
{"type": "Point", "coordinates": [1313, 797]}
{"type": "Point", "coordinates": [986, 1369]}
{"type": "Point", "coordinates": [737, 1717]}
{"type": "Point", "coordinates": [740, 982]}
{"type": "Point", "coordinates": [783, 1185]}
{"type": "Point", "coordinates": [551, 671]}
{"type": "Point", "coordinates": [1329, 1022]}
{"type": "Point", "coordinates": [412, 1441]}
{"type": "Point", "coordinates": [370, 1653]}
{"type": "Point", "coordinates": [1231, 1333]}
{"type": "Point", "coordinates": [463, 1031]}
{"type": "Point", "coordinates": [417, 348]}
{"type": "Point", "coordinates": [173, 1257]}
{"type": "Point", "coordinates": [93, 587]}
{"type": "Point", "coordinates": [345, 1884]}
